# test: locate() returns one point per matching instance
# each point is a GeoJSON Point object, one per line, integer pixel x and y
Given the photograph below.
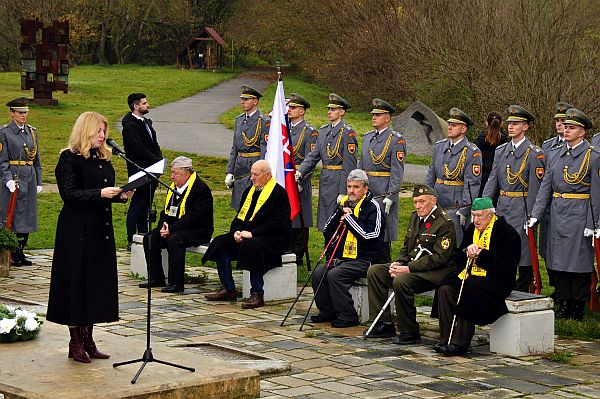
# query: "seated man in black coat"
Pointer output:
{"type": "Point", "coordinates": [490, 251]}
{"type": "Point", "coordinates": [185, 221]}
{"type": "Point", "coordinates": [259, 234]}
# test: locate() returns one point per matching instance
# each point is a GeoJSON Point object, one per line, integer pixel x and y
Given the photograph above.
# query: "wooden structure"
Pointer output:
{"type": "Point", "coordinates": [44, 62]}
{"type": "Point", "coordinates": [203, 51]}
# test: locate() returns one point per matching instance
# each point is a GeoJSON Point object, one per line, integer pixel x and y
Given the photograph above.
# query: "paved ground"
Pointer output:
{"type": "Point", "coordinates": [329, 363]}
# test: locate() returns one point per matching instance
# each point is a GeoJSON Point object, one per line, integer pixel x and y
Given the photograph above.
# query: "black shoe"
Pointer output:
{"type": "Point", "coordinates": [173, 289]}
{"type": "Point", "coordinates": [439, 347]}
{"type": "Point", "coordinates": [407, 338]}
{"type": "Point", "coordinates": [381, 330]}
{"type": "Point", "coordinates": [14, 262]}
{"type": "Point", "coordinates": [453, 350]}
{"type": "Point", "coordinates": [341, 323]}
{"type": "Point", "coordinates": [319, 318]}
{"type": "Point", "coordinates": [129, 246]}
{"type": "Point", "coordinates": [152, 284]}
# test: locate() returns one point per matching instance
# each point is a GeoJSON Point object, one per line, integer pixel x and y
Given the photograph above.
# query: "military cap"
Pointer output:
{"type": "Point", "coordinates": [459, 116]}
{"type": "Point", "coordinates": [182, 162]}
{"type": "Point", "coordinates": [358, 175]}
{"type": "Point", "coordinates": [577, 117]}
{"type": "Point", "coordinates": [422, 189]}
{"type": "Point", "coordinates": [382, 107]}
{"type": "Point", "coordinates": [20, 104]}
{"type": "Point", "coordinates": [561, 109]}
{"type": "Point", "coordinates": [519, 114]}
{"type": "Point", "coordinates": [479, 204]}
{"type": "Point", "coordinates": [250, 92]}
{"type": "Point", "coordinates": [296, 100]}
{"type": "Point", "coordinates": [336, 101]}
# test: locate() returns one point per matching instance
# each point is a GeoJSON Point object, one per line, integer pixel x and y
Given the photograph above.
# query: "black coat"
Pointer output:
{"type": "Point", "coordinates": [487, 155]}
{"type": "Point", "coordinates": [482, 300]}
{"type": "Point", "coordinates": [271, 231]}
{"type": "Point", "coordinates": [139, 146]}
{"type": "Point", "coordinates": [83, 284]}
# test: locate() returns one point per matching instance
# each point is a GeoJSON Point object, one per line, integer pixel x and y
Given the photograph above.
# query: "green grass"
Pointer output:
{"type": "Point", "coordinates": [560, 356]}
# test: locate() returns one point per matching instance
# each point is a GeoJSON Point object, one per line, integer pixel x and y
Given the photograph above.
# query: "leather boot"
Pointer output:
{"type": "Point", "coordinates": [255, 301]}
{"type": "Point", "coordinates": [564, 309]}
{"type": "Point", "coordinates": [577, 309]}
{"type": "Point", "coordinates": [89, 345]}
{"type": "Point", "coordinates": [76, 346]}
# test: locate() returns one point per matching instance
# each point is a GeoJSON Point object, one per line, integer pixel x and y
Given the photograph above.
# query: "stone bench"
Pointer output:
{"type": "Point", "coordinates": [280, 282]}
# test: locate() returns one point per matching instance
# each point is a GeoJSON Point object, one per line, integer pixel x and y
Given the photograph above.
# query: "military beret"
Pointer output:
{"type": "Point", "coordinates": [20, 104]}
{"type": "Point", "coordinates": [382, 107]}
{"type": "Point", "coordinates": [519, 114]}
{"type": "Point", "coordinates": [250, 92]}
{"type": "Point", "coordinates": [336, 101]}
{"type": "Point", "coordinates": [480, 204]}
{"type": "Point", "coordinates": [422, 189]}
{"type": "Point", "coordinates": [358, 175]}
{"type": "Point", "coordinates": [459, 116]}
{"type": "Point", "coordinates": [182, 162]}
{"type": "Point", "coordinates": [561, 109]}
{"type": "Point", "coordinates": [577, 117]}
{"type": "Point", "coordinates": [296, 100]}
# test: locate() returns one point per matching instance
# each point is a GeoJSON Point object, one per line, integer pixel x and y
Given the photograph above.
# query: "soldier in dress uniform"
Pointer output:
{"type": "Point", "coordinates": [573, 182]}
{"type": "Point", "coordinates": [20, 168]}
{"type": "Point", "coordinates": [337, 149]}
{"type": "Point", "coordinates": [249, 144]}
{"type": "Point", "coordinates": [517, 172]}
{"type": "Point", "coordinates": [382, 158]}
{"type": "Point", "coordinates": [455, 171]}
{"type": "Point", "coordinates": [303, 137]}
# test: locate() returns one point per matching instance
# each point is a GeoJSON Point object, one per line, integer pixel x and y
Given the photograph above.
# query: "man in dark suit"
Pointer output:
{"type": "Point", "coordinates": [139, 140]}
{"type": "Point", "coordinates": [185, 221]}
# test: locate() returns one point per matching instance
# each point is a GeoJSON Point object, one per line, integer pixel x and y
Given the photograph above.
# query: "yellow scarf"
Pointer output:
{"type": "Point", "coordinates": [262, 198]}
{"type": "Point", "coordinates": [351, 243]}
{"type": "Point", "coordinates": [483, 240]}
{"type": "Point", "coordinates": [191, 181]}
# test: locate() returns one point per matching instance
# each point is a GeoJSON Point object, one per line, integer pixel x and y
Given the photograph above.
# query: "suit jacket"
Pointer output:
{"type": "Point", "coordinates": [140, 146]}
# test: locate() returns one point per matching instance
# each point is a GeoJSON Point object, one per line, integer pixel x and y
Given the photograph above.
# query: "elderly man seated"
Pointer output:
{"type": "Point", "coordinates": [424, 261]}
{"type": "Point", "coordinates": [259, 234]}
{"type": "Point", "coordinates": [185, 221]}
{"type": "Point", "coordinates": [490, 253]}
{"type": "Point", "coordinates": [358, 247]}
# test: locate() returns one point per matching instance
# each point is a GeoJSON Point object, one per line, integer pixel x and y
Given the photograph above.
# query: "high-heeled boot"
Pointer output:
{"type": "Point", "coordinates": [89, 345]}
{"type": "Point", "coordinates": [76, 346]}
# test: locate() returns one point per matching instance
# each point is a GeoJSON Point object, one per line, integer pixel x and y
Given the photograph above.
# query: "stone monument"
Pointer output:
{"type": "Point", "coordinates": [421, 127]}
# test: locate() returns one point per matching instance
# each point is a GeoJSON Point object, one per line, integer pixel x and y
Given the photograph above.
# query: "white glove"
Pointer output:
{"type": "Point", "coordinates": [300, 188]}
{"type": "Point", "coordinates": [388, 205]}
{"type": "Point", "coordinates": [39, 189]}
{"type": "Point", "coordinates": [588, 232]}
{"type": "Point", "coordinates": [229, 180]}
{"type": "Point", "coordinates": [597, 233]}
{"type": "Point", "coordinates": [531, 222]}
{"type": "Point", "coordinates": [12, 186]}
{"type": "Point", "coordinates": [339, 198]}
{"type": "Point", "coordinates": [298, 175]}
{"type": "Point", "coordinates": [462, 219]}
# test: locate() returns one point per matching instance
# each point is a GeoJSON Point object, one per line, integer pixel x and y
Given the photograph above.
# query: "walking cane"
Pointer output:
{"type": "Point", "coordinates": [467, 269]}
{"type": "Point", "coordinates": [422, 250]}
{"type": "Point", "coordinates": [311, 273]}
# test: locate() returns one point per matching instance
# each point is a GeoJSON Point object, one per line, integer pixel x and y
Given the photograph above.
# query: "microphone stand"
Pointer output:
{"type": "Point", "coordinates": [147, 357]}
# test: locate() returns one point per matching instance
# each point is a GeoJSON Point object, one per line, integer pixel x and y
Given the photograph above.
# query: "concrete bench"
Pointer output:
{"type": "Point", "coordinates": [280, 282]}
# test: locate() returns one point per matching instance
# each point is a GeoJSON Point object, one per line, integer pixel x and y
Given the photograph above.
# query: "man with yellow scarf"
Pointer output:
{"type": "Point", "coordinates": [490, 266]}
{"type": "Point", "coordinates": [186, 220]}
{"type": "Point", "coordinates": [258, 236]}
{"type": "Point", "coordinates": [360, 218]}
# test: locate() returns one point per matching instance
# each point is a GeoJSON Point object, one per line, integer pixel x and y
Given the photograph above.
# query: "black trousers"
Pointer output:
{"type": "Point", "coordinates": [447, 303]}
{"type": "Point", "coordinates": [297, 247]}
{"type": "Point", "coordinates": [571, 286]}
{"type": "Point", "coordinates": [524, 280]}
{"type": "Point", "coordinates": [137, 214]}
{"type": "Point", "coordinates": [176, 246]}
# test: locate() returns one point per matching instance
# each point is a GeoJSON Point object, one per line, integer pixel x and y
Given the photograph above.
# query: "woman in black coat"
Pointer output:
{"type": "Point", "coordinates": [487, 141]}
{"type": "Point", "coordinates": [83, 284]}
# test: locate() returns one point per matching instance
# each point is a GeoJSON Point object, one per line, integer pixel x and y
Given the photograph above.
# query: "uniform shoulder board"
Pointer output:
{"type": "Point", "coordinates": [472, 146]}
{"type": "Point", "coordinates": [348, 126]}
{"type": "Point", "coordinates": [446, 217]}
{"type": "Point", "coordinates": [535, 148]}
{"type": "Point", "coordinates": [547, 141]}
{"type": "Point", "coordinates": [595, 134]}
{"type": "Point", "coordinates": [595, 149]}
{"type": "Point", "coordinates": [240, 115]}
{"type": "Point", "coordinates": [265, 117]}
{"type": "Point", "coordinates": [32, 127]}
{"type": "Point", "coordinates": [3, 126]}
{"type": "Point", "coordinates": [441, 141]}
{"type": "Point", "coordinates": [324, 126]}
{"type": "Point", "coordinates": [502, 145]}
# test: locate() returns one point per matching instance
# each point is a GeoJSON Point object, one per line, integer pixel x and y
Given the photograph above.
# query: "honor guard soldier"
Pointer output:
{"type": "Point", "coordinates": [573, 182]}
{"type": "Point", "coordinates": [21, 172]}
{"type": "Point", "coordinates": [337, 149]}
{"type": "Point", "coordinates": [455, 171]}
{"type": "Point", "coordinates": [304, 138]}
{"type": "Point", "coordinates": [382, 158]}
{"type": "Point", "coordinates": [517, 172]}
{"type": "Point", "coordinates": [249, 144]}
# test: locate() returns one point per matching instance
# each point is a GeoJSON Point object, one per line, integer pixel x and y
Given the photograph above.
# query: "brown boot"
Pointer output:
{"type": "Point", "coordinates": [89, 345]}
{"type": "Point", "coordinates": [223, 295]}
{"type": "Point", "coordinates": [255, 301]}
{"type": "Point", "coordinates": [76, 346]}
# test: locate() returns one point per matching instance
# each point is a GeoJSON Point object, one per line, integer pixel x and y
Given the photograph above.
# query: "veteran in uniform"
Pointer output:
{"type": "Point", "coordinates": [424, 260]}
{"type": "Point", "coordinates": [303, 137]}
{"type": "Point", "coordinates": [517, 172]}
{"type": "Point", "coordinates": [249, 144]}
{"type": "Point", "coordinates": [455, 171]}
{"type": "Point", "coordinates": [382, 158]}
{"type": "Point", "coordinates": [337, 149]}
{"type": "Point", "coordinates": [20, 168]}
{"type": "Point", "coordinates": [573, 182]}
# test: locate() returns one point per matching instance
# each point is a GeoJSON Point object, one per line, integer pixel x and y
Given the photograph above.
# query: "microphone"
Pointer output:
{"type": "Point", "coordinates": [115, 147]}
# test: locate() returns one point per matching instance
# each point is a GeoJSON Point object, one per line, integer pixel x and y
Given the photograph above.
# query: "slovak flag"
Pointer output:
{"type": "Point", "coordinates": [280, 152]}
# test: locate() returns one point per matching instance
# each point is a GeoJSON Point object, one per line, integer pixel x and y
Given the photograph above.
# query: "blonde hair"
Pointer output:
{"type": "Point", "coordinates": [86, 127]}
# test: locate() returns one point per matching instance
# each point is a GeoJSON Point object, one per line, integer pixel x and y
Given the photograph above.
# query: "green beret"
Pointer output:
{"type": "Point", "coordinates": [561, 110]}
{"type": "Point", "coordinates": [382, 107]}
{"type": "Point", "coordinates": [20, 104]}
{"type": "Point", "coordinates": [422, 189]}
{"type": "Point", "coordinates": [336, 101]}
{"type": "Point", "coordinates": [459, 116]}
{"type": "Point", "coordinates": [519, 114]}
{"type": "Point", "coordinates": [577, 117]}
{"type": "Point", "coordinates": [250, 92]}
{"type": "Point", "coordinates": [479, 204]}
{"type": "Point", "coordinates": [296, 100]}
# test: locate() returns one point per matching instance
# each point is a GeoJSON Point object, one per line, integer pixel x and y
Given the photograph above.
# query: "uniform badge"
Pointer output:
{"type": "Point", "coordinates": [312, 146]}
{"type": "Point", "coordinates": [400, 156]}
{"type": "Point", "coordinates": [266, 137]}
{"type": "Point", "coordinates": [352, 148]}
{"type": "Point", "coordinates": [476, 170]}
{"type": "Point", "coordinates": [445, 243]}
{"type": "Point", "coordinates": [539, 172]}
{"type": "Point", "coordinates": [0, 146]}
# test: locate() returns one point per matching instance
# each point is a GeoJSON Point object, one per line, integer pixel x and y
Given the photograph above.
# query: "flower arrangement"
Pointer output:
{"type": "Point", "coordinates": [17, 324]}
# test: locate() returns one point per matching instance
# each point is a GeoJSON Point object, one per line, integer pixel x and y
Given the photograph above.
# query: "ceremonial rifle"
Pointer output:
{"type": "Point", "coordinates": [12, 202]}
{"type": "Point", "coordinates": [536, 282]}
{"type": "Point", "coordinates": [594, 306]}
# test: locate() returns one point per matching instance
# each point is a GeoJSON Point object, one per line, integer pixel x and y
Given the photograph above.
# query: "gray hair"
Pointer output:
{"type": "Point", "coordinates": [358, 175]}
{"type": "Point", "coordinates": [264, 165]}
{"type": "Point", "coordinates": [183, 163]}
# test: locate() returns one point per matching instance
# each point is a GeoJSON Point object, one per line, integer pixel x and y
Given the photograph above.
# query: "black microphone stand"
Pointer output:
{"type": "Point", "coordinates": [148, 357]}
